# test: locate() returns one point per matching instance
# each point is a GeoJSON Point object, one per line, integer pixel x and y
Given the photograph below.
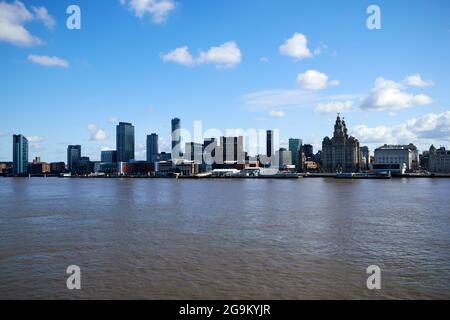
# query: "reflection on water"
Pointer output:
{"type": "Point", "coordinates": [231, 239]}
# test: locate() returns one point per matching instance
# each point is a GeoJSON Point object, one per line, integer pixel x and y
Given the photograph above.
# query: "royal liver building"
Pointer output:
{"type": "Point", "coordinates": [340, 153]}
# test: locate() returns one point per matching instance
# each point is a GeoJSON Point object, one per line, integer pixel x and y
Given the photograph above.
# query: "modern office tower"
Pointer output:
{"type": "Point", "coordinates": [176, 139]}
{"type": "Point", "coordinates": [20, 154]}
{"type": "Point", "coordinates": [109, 156]}
{"type": "Point", "coordinates": [193, 152]}
{"type": "Point", "coordinates": [398, 154]}
{"type": "Point", "coordinates": [295, 145]}
{"type": "Point", "coordinates": [308, 150]}
{"type": "Point", "coordinates": [125, 142]}
{"type": "Point", "coordinates": [232, 149]}
{"type": "Point", "coordinates": [284, 158]}
{"type": "Point", "coordinates": [269, 143]}
{"type": "Point", "coordinates": [209, 150]}
{"type": "Point", "coordinates": [73, 157]}
{"type": "Point", "coordinates": [152, 148]}
{"type": "Point", "coordinates": [340, 153]}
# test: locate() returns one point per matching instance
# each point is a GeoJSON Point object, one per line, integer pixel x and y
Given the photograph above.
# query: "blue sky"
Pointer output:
{"type": "Point", "coordinates": [287, 65]}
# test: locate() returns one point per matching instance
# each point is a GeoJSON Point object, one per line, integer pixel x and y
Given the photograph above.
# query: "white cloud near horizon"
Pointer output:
{"type": "Point", "coordinates": [390, 95]}
{"type": "Point", "coordinates": [35, 142]}
{"type": "Point", "coordinates": [158, 10]}
{"type": "Point", "coordinates": [13, 17]}
{"type": "Point", "coordinates": [296, 47]}
{"type": "Point", "coordinates": [226, 55]}
{"type": "Point", "coordinates": [48, 61]}
{"type": "Point", "coordinates": [97, 134]}
{"type": "Point", "coordinates": [422, 131]}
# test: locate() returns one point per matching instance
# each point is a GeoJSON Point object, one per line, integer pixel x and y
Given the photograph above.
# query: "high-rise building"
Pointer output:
{"type": "Point", "coordinates": [109, 156]}
{"type": "Point", "coordinates": [284, 158]}
{"type": "Point", "coordinates": [125, 142]}
{"type": "Point", "coordinates": [232, 149]}
{"type": "Point", "coordinates": [308, 150]}
{"type": "Point", "coordinates": [209, 150]}
{"type": "Point", "coordinates": [269, 143]}
{"type": "Point", "coordinates": [340, 153]}
{"type": "Point", "coordinates": [73, 157]}
{"type": "Point", "coordinates": [295, 146]}
{"type": "Point", "coordinates": [176, 139]}
{"type": "Point", "coordinates": [193, 152]}
{"type": "Point", "coordinates": [152, 148]}
{"type": "Point", "coordinates": [20, 154]}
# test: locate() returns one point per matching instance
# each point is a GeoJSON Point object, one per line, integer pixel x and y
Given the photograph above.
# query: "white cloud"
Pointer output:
{"type": "Point", "coordinates": [42, 14]}
{"type": "Point", "coordinates": [296, 47]}
{"type": "Point", "coordinates": [416, 81]}
{"type": "Point", "coordinates": [264, 59]}
{"type": "Point", "coordinates": [335, 106]}
{"type": "Point", "coordinates": [226, 55]}
{"type": "Point", "coordinates": [314, 80]}
{"type": "Point", "coordinates": [277, 114]}
{"type": "Point", "coordinates": [13, 17]}
{"type": "Point", "coordinates": [113, 120]}
{"type": "Point", "coordinates": [35, 142]}
{"type": "Point", "coordinates": [96, 133]}
{"type": "Point", "coordinates": [159, 10]}
{"type": "Point", "coordinates": [422, 131]}
{"type": "Point", "coordinates": [180, 55]}
{"type": "Point", "coordinates": [390, 95]}
{"type": "Point", "coordinates": [48, 61]}
{"type": "Point", "coordinates": [334, 83]}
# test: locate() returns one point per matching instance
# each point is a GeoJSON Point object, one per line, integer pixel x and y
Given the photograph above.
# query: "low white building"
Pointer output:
{"type": "Point", "coordinates": [399, 155]}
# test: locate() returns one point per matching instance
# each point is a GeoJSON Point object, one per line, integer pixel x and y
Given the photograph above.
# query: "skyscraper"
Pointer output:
{"type": "Point", "coordinates": [232, 149]}
{"type": "Point", "coordinates": [176, 139]}
{"type": "Point", "coordinates": [125, 142]}
{"type": "Point", "coordinates": [309, 151]}
{"type": "Point", "coordinates": [269, 143]}
{"type": "Point", "coordinates": [152, 148]}
{"type": "Point", "coordinates": [73, 157]}
{"type": "Point", "coordinates": [109, 156]}
{"type": "Point", "coordinates": [295, 147]}
{"type": "Point", "coordinates": [20, 154]}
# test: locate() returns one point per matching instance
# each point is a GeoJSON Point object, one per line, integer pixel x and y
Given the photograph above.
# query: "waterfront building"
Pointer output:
{"type": "Point", "coordinates": [398, 154]}
{"type": "Point", "coordinates": [125, 142]}
{"type": "Point", "coordinates": [309, 151]}
{"type": "Point", "coordinates": [231, 150]}
{"type": "Point", "coordinates": [209, 151]}
{"type": "Point", "coordinates": [20, 154]}
{"type": "Point", "coordinates": [135, 168]}
{"type": "Point", "coordinates": [108, 156]}
{"type": "Point", "coordinates": [295, 147]}
{"type": "Point", "coordinates": [365, 157]}
{"type": "Point", "coordinates": [164, 156]}
{"type": "Point", "coordinates": [57, 167]}
{"type": "Point", "coordinates": [6, 167]}
{"type": "Point", "coordinates": [73, 157]}
{"type": "Point", "coordinates": [193, 152]}
{"type": "Point", "coordinates": [439, 160]}
{"type": "Point", "coordinates": [284, 158]}
{"type": "Point", "coordinates": [176, 139]}
{"type": "Point", "coordinates": [152, 148]}
{"type": "Point", "coordinates": [340, 153]}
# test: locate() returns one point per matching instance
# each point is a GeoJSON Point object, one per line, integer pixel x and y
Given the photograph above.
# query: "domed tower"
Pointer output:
{"type": "Point", "coordinates": [339, 127]}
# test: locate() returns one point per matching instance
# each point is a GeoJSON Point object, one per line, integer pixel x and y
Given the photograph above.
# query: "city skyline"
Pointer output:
{"type": "Point", "coordinates": [295, 79]}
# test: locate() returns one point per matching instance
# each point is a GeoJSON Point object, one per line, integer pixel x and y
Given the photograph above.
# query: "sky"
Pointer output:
{"type": "Point", "coordinates": [289, 65]}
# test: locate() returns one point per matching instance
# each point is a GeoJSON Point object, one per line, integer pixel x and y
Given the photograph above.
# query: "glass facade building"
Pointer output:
{"type": "Point", "coordinates": [152, 148]}
{"type": "Point", "coordinates": [73, 157]}
{"type": "Point", "coordinates": [125, 142]}
{"type": "Point", "coordinates": [20, 154]}
{"type": "Point", "coordinates": [176, 139]}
